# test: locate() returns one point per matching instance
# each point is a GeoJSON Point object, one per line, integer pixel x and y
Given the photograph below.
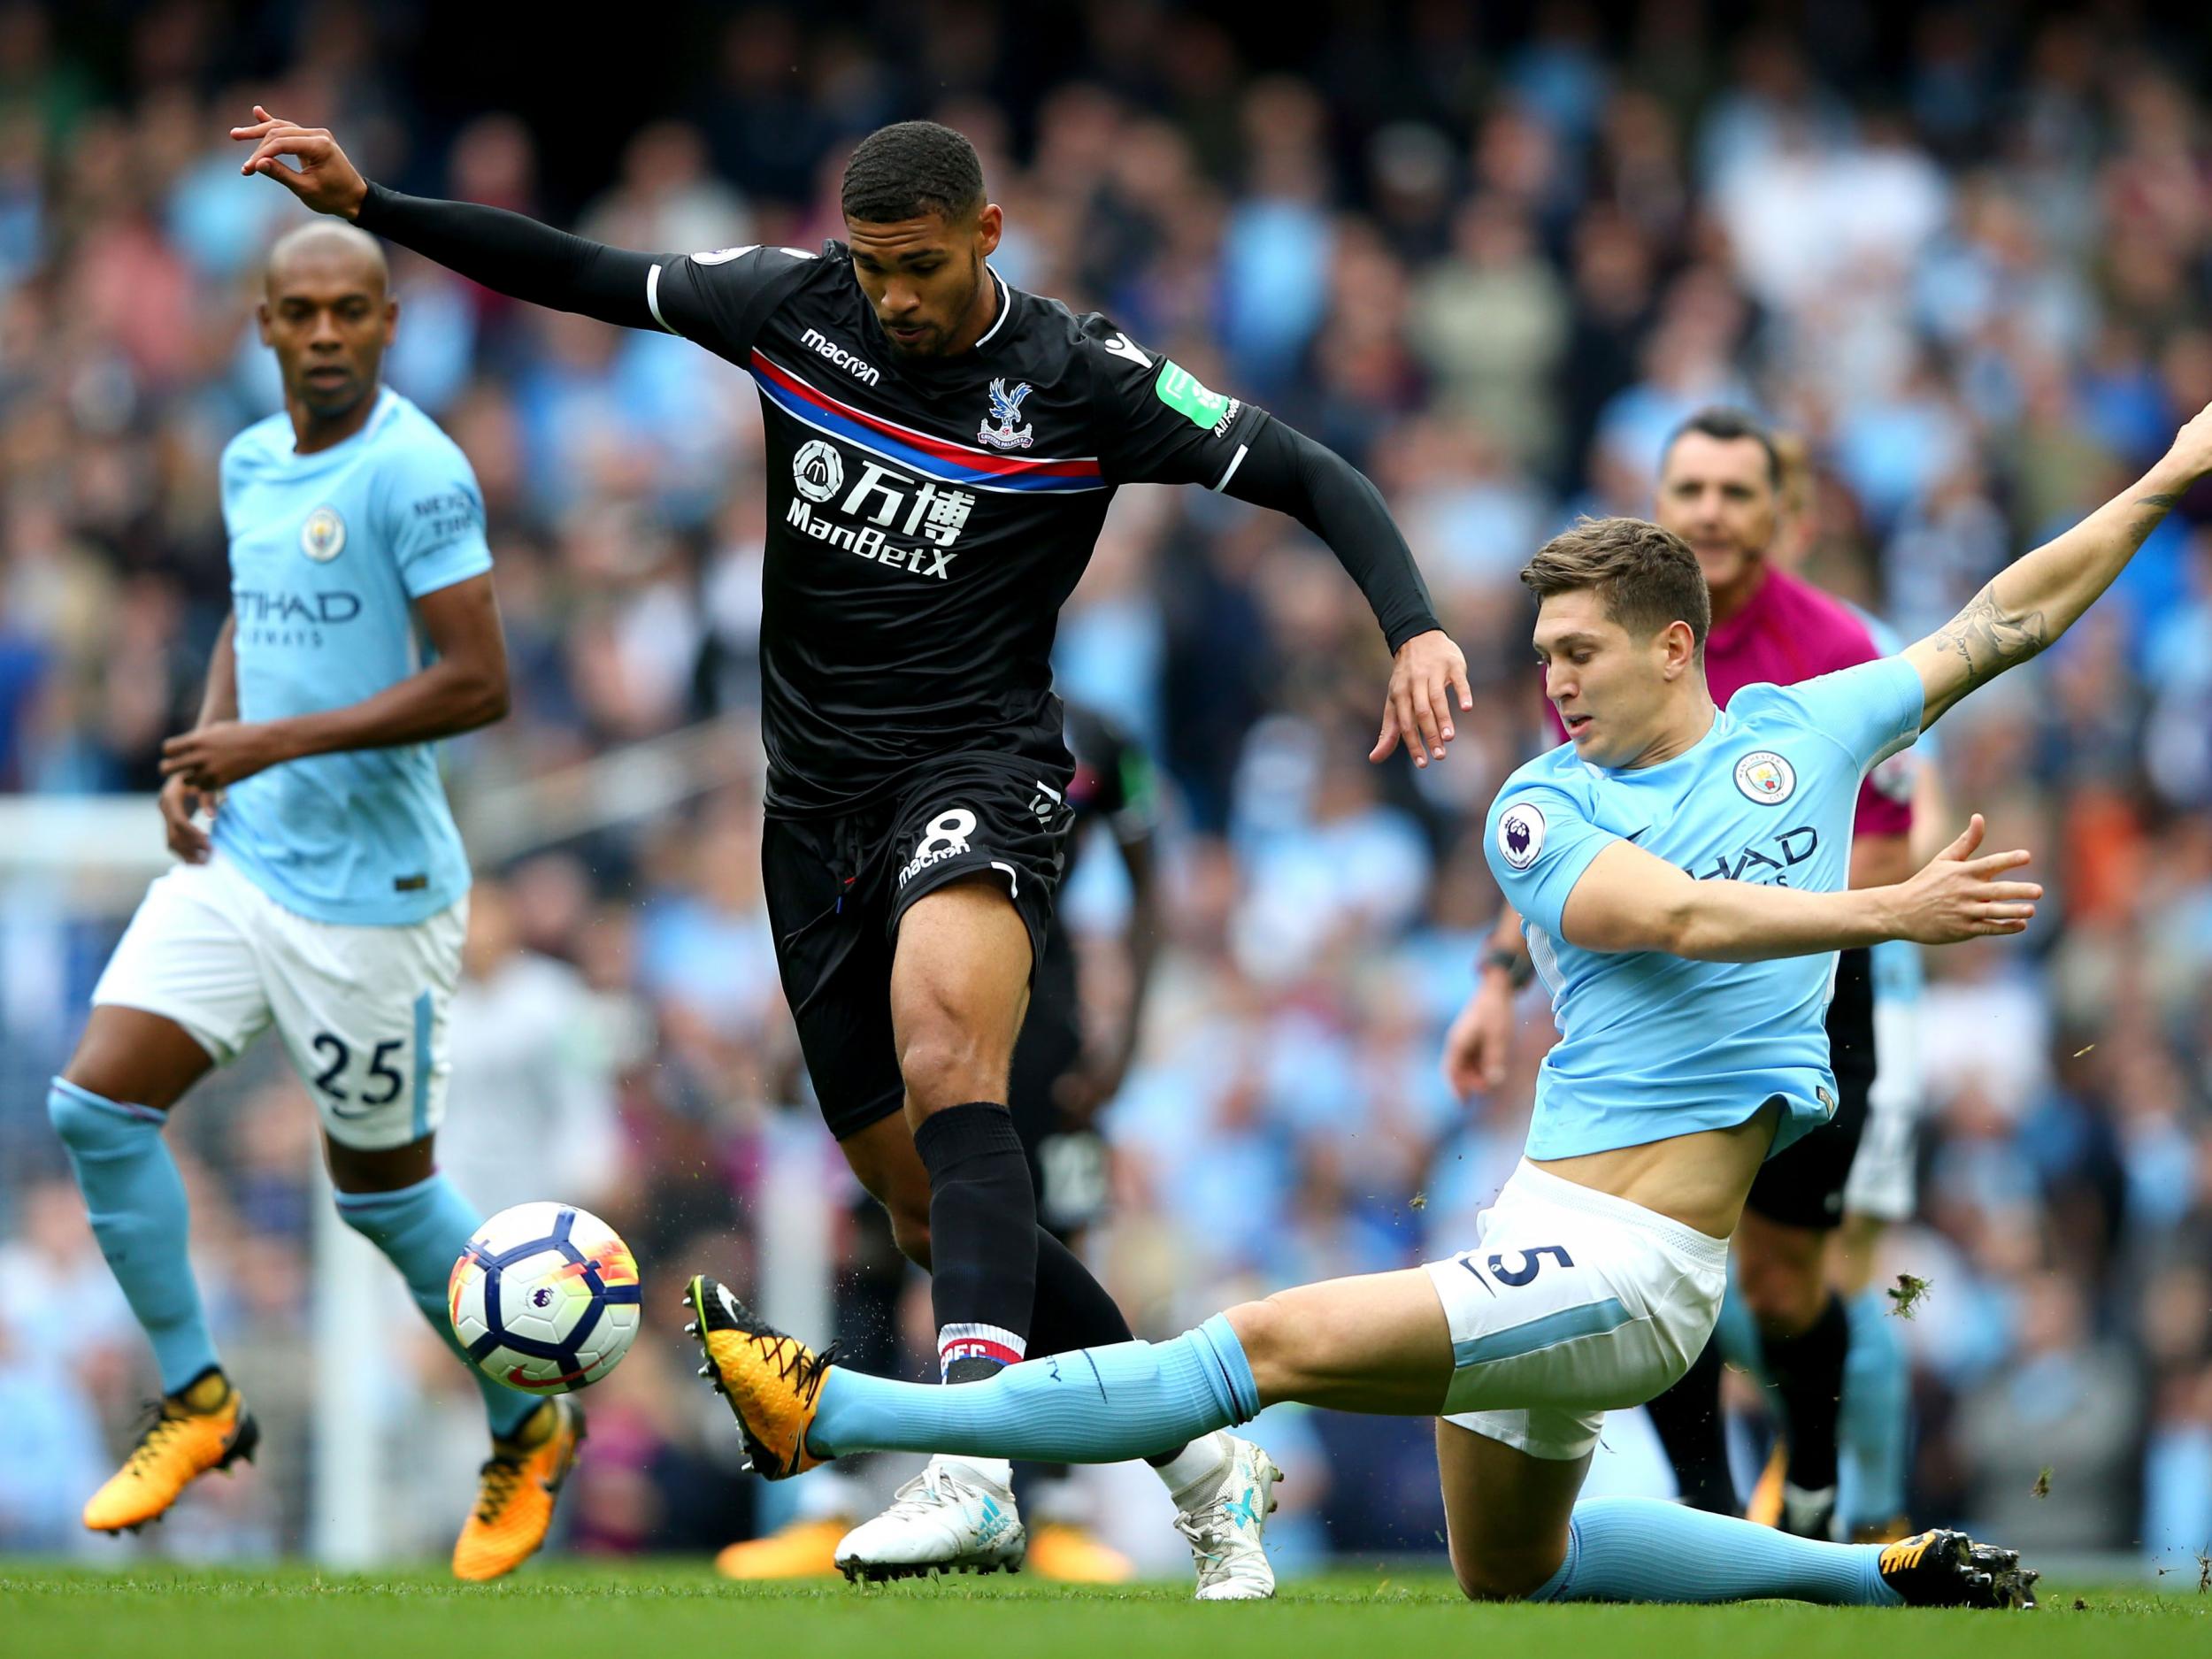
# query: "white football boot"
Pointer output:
{"type": "Point", "coordinates": [951, 1517]}
{"type": "Point", "coordinates": [1227, 1529]}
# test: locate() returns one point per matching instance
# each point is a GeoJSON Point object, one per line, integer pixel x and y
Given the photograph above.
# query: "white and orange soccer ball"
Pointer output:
{"type": "Point", "coordinates": [545, 1298]}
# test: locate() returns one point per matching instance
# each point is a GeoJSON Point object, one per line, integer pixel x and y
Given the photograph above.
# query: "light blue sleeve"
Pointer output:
{"type": "Point", "coordinates": [433, 516]}
{"type": "Point", "coordinates": [1538, 842]}
{"type": "Point", "coordinates": [1872, 709]}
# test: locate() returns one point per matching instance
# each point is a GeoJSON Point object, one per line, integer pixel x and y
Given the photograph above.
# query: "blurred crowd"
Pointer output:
{"type": "Point", "coordinates": [1964, 254]}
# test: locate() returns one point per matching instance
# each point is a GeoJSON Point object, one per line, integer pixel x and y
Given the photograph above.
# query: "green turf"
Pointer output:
{"type": "Point", "coordinates": [658, 1612]}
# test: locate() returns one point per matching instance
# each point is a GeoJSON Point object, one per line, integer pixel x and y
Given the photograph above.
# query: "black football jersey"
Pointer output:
{"type": "Point", "coordinates": [928, 518]}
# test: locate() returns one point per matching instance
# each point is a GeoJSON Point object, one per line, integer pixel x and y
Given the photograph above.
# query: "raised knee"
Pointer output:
{"type": "Point", "coordinates": [943, 1065]}
{"type": "Point", "coordinates": [85, 1120]}
{"type": "Point", "coordinates": [910, 1231]}
{"type": "Point", "coordinates": [1262, 1329]}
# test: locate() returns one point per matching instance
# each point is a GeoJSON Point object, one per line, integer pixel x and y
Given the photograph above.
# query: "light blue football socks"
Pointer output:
{"type": "Point", "coordinates": [1103, 1405]}
{"type": "Point", "coordinates": [1644, 1549]}
{"type": "Point", "coordinates": [136, 1199]}
{"type": "Point", "coordinates": [1096, 1405]}
{"type": "Point", "coordinates": [423, 1229]}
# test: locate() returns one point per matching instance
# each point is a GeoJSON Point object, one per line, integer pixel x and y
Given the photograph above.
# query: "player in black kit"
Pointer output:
{"type": "Point", "coordinates": [941, 449]}
{"type": "Point", "coordinates": [1059, 1081]}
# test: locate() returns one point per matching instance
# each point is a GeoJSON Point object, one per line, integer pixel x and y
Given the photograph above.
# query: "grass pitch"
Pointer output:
{"type": "Point", "coordinates": [676, 1612]}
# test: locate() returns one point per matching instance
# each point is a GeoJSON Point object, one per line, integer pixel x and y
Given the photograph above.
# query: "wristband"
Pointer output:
{"type": "Point", "coordinates": [1517, 967]}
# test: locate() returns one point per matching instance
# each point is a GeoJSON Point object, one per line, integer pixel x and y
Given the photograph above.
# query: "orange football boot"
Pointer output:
{"type": "Point", "coordinates": [515, 1491]}
{"type": "Point", "coordinates": [1069, 1554]}
{"type": "Point", "coordinates": [771, 1382]}
{"type": "Point", "coordinates": [178, 1446]}
{"type": "Point", "coordinates": [804, 1549]}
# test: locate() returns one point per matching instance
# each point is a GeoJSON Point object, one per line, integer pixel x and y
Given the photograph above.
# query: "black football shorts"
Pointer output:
{"type": "Point", "coordinates": [1802, 1187]}
{"type": "Point", "coordinates": [836, 888]}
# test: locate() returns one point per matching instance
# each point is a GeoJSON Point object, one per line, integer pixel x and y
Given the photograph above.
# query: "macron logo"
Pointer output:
{"type": "Point", "coordinates": [866, 374]}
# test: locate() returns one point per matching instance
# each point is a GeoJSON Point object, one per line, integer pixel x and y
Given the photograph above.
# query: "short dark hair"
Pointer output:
{"type": "Point", "coordinates": [1645, 577]}
{"type": "Point", "coordinates": [905, 170]}
{"type": "Point", "coordinates": [1718, 421]}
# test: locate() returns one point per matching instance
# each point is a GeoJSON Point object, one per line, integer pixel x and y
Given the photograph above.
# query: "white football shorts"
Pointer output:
{"type": "Point", "coordinates": [1881, 1183]}
{"type": "Point", "coordinates": [361, 1010]}
{"type": "Point", "coordinates": [1574, 1304]}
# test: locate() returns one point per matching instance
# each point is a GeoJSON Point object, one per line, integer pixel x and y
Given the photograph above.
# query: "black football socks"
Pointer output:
{"type": "Point", "coordinates": [1687, 1417]}
{"type": "Point", "coordinates": [982, 1238]}
{"type": "Point", "coordinates": [1807, 1370]}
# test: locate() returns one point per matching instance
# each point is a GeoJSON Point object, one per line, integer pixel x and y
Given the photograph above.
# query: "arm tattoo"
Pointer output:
{"type": "Point", "coordinates": [2165, 503]}
{"type": "Point", "coordinates": [1991, 639]}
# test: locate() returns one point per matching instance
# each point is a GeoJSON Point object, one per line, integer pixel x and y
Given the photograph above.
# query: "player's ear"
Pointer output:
{"type": "Point", "coordinates": [391, 321]}
{"type": "Point", "coordinates": [990, 225]}
{"type": "Point", "coordinates": [1681, 648]}
{"type": "Point", "coordinates": [261, 317]}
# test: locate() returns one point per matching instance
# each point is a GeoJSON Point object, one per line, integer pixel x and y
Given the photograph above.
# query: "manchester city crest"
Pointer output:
{"type": "Point", "coordinates": [1765, 777]}
{"type": "Point", "coordinates": [323, 537]}
{"type": "Point", "coordinates": [1006, 409]}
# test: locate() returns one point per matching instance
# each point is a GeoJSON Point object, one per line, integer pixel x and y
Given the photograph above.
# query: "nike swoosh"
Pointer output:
{"type": "Point", "coordinates": [517, 1379]}
{"type": "Point", "coordinates": [1638, 835]}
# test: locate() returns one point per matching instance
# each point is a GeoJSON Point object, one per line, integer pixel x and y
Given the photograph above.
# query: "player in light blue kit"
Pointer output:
{"type": "Point", "coordinates": [331, 897]}
{"type": "Point", "coordinates": [1681, 870]}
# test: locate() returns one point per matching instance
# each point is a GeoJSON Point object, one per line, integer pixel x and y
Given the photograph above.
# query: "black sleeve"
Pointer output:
{"type": "Point", "coordinates": [1153, 422]}
{"type": "Point", "coordinates": [1157, 425]}
{"type": "Point", "coordinates": [718, 299]}
{"type": "Point", "coordinates": [1286, 469]}
{"type": "Point", "coordinates": [516, 256]}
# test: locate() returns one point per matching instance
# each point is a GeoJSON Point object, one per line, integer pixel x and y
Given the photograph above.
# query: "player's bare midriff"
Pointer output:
{"type": "Point", "coordinates": [1700, 1180]}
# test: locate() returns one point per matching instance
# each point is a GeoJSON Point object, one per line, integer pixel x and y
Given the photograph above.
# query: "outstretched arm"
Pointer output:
{"type": "Point", "coordinates": [2039, 596]}
{"type": "Point", "coordinates": [1628, 900]}
{"type": "Point", "coordinates": [1287, 471]}
{"type": "Point", "coordinates": [1159, 425]}
{"type": "Point", "coordinates": [505, 252]}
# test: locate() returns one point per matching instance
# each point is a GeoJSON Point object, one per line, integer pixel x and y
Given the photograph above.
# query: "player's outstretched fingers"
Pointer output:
{"type": "Point", "coordinates": [1456, 679]}
{"type": "Point", "coordinates": [261, 125]}
{"type": "Point", "coordinates": [1426, 717]}
{"type": "Point", "coordinates": [308, 147]}
{"type": "Point", "coordinates": [1969, 839]}
{"type": "Point", "coordinates": [1408, 723]}
{"type": "Point", "coordinates": [1387, 739]}
{"type": "Point", "coordinates": [1441, 700]}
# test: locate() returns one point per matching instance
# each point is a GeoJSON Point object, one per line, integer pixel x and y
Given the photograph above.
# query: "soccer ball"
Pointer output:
{"type": "Point", "coordinates": [545, 1298]}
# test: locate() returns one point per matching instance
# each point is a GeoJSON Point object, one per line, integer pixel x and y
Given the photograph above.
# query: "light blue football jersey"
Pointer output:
{"type": "Point", "coordinates": [327, 553]}
{"type": "Point", "coordinates": [1652, 1045]}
